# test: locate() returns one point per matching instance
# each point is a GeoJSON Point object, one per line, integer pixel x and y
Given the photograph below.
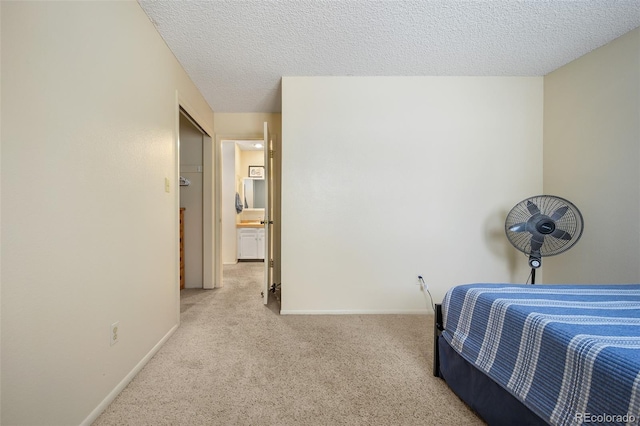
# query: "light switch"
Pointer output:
{"type": "Point", "coordinates": [167, 185]}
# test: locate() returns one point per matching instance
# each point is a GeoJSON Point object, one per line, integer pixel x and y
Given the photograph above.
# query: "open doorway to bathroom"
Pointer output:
{"type": "Point", "coordinates": [243, 201]}
{"type": "Point", "coordinates": [241, 158]}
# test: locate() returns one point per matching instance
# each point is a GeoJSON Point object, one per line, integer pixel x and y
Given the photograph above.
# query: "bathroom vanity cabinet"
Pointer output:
{"type": "Point", "coordinates": [251, 243]}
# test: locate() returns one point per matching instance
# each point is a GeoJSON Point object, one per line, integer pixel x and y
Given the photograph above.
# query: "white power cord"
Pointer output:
{"type": "Point", "coordinates": [426, 290]}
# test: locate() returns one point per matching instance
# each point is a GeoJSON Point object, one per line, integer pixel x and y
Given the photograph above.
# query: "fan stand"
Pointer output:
{"type": "Point", "coordinates": [535, 263]}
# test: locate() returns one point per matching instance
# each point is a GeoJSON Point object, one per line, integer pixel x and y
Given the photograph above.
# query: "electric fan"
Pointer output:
{"type": "Point", "coordinates": [544, 225]}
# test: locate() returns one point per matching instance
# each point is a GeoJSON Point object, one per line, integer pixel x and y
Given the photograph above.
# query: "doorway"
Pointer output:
{"type": "Point", "coordinates": [196, 203]}
{"type": "Point", "coordinates": [229, 193]}
{"type": "Point", "coordinates": [247, 224]}
{"type": "Point", "coordinates": [240, 209]}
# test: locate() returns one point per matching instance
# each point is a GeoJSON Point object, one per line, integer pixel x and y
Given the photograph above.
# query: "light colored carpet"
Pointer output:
{"type": "Point", "coordinates": [234, 361]}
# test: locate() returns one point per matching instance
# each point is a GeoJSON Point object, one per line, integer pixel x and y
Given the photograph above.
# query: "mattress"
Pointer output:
{"type": "Point", "coordinates": [570, 353]}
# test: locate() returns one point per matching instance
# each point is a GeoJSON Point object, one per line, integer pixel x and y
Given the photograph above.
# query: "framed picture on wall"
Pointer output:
{"type": "Point", "coordinates": [256, 172]}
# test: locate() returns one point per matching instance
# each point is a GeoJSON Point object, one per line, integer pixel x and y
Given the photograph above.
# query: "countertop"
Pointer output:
{"type": "Point", "coordinates": [250, 224]}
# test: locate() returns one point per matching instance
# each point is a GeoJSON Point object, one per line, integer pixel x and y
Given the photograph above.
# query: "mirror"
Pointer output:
{"type": "Point", "coordinates": [254, 193]}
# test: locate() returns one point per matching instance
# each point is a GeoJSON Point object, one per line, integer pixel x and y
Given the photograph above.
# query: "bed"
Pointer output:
{"type": "Point", "coordinates": [542, 354]}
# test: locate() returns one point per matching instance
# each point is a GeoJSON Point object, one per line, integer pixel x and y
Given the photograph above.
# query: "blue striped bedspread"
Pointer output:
{"type": "Point", "coordinates": [570, 353]}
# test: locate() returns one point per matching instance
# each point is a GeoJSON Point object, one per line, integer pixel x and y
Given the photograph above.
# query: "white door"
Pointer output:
{"type": "Point", "coordinates": [267, 213]}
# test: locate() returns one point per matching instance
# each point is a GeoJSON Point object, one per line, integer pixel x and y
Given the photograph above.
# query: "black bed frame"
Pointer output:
{"type": "Point", "coordinates": [438, 328]}
{"type": "Point", "coordinates": [485, 397]}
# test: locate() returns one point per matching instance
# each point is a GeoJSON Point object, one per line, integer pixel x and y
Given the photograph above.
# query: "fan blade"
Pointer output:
{"type": "Point", "coordinates": [536, 244]}
{"type": "Point", "coordinates": [533, 209]}
{"type": "Point", "coordinates": [560, 234]}
{"type": "Point", "coordinates": [559, 213]}
{"type": "Point", "coordinates": [518, 227]}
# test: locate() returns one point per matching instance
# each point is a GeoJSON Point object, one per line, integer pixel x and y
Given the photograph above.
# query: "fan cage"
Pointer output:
{"type": "Point", "coordinates": [570, 222]}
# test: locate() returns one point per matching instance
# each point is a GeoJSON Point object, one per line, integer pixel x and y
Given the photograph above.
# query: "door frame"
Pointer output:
{"type": "Point", "coordinates": [209, 255]}
{"type": "Point", "coordinates": [218, 193]}
{"type": "Point", "coordinates": [276, 176]}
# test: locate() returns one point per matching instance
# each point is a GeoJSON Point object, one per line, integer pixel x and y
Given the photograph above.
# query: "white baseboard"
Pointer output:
{"type": "Point", "coordinates": [123, 384]}
{"type": "Point", "coordinates": [357, 312]}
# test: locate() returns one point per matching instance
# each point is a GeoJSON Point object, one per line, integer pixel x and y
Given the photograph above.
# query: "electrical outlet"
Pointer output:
{"type": "Point", "coordinates": [114, 332]}
{"type": "Point", "coordinates": [167, 185]}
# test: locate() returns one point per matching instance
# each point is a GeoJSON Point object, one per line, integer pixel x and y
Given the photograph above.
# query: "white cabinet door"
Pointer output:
{"type": "Point", "coordinates": [261, 244]}
{"type": "Point", "coordinates": [251, 243]}
{"type": "Point", "coordinates": [247, 244]}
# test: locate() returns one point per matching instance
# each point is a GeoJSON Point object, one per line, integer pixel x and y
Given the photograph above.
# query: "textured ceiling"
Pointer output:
{"type": "Point", "coordinates": [237, 51]}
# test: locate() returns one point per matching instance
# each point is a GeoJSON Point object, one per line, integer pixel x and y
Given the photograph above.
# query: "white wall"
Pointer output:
{"type": "Point", "coordinates": [89, 235]}
{"type": "Point", "coordinates": [229, 187]}
{"type": "Point", "coordinates": [592, 157]}
{"type": "Point", "coordinates": [385, 178]}
{"type": "Point", "coordinates": [250, 158]}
